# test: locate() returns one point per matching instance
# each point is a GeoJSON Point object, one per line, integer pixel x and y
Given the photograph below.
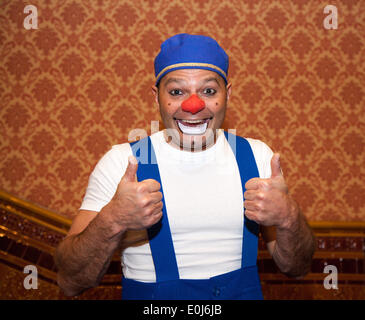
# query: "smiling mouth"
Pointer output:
{"type": "Point", "coordinates": [193, 127]}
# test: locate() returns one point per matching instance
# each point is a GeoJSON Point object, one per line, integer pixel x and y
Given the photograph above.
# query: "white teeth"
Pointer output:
{"type": "Point", "coordinates": [198, 129]}
{"type": "Point", "coordinates": [192, 121]}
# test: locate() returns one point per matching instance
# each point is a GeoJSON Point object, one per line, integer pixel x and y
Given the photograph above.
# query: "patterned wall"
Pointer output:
{"type": "Point", "coordinates": [80, 82]}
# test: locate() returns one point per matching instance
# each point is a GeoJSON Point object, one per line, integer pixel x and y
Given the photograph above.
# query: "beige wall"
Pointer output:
{"type": "Point", "coordinates": [79, 83]}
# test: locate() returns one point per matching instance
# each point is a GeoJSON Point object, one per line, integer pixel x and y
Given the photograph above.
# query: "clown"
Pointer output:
{"type": "Point", "coordinates": [187, 220]}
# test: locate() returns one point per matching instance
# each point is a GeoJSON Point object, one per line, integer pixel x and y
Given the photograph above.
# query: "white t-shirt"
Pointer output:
{"type": "Point", "coordinates": [204, 202]}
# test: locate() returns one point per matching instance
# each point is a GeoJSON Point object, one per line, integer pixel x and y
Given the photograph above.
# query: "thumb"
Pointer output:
{"type": "Point", "coordinates": [275, 166]}
{"type": "Point", "coordinates": [131, 171]}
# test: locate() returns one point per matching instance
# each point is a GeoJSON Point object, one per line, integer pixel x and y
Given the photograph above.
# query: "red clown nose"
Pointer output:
{"type": "Point", "coordinates": [193, 104]}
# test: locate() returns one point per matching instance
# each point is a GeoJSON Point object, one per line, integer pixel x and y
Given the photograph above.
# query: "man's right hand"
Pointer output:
{"type": "Point", "coordinates": [84, 255]}
{"type": "Point", "coordinates": [136, 205]}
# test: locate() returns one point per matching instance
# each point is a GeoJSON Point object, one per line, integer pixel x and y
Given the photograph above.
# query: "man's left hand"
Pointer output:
{"type": "Point", "coordinates": [268, 202]}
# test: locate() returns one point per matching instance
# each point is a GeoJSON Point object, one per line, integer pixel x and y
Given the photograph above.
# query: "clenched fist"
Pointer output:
{"type": "Point", "coordinates": [267, 201]}
{"type": "Point", "coordinates": [136, 205]}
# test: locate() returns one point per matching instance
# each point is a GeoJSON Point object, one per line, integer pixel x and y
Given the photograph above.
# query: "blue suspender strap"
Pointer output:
{"type": "Point", "coordinates": [160, 239]}
{"type": "Point", "coordinates": [248, 169]}
{"type": "Point", "coordinates": [159, 235]}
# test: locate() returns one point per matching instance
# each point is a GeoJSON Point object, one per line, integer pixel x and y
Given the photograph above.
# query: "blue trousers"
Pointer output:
{"type": "Point", "coordinates": [242, 284]}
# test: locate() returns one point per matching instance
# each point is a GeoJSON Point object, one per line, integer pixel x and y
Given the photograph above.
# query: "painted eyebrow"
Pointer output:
{"type": "Point", "coordinates": [179, 80]}
{"type": "Point", "coordinates": [211, 79]}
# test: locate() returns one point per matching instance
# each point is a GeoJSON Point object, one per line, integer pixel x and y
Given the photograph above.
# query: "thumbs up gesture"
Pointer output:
{"type": "Point", "coordinates": [267, 201]}
{"type": "Point", "coordinates": [136, 205]}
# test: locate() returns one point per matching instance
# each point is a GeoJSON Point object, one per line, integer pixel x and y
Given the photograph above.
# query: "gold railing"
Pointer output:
{"type": "Point", "coordinates": [34, 213]}
{"type": "Point", "coordinates": [40, 216]}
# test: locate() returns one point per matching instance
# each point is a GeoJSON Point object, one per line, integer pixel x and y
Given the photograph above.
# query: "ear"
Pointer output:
{"type": "Point", "coordinates": [229, 90]}
{"type": "Point", "coordinates": [155, 93]}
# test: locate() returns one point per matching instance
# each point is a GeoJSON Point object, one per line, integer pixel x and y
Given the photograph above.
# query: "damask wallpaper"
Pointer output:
{"type": "Point", "coordinates": [78, 84]}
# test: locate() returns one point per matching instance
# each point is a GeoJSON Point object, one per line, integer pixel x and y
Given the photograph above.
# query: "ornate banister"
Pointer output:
{"type": "Point", "coordinates": [29, 234]}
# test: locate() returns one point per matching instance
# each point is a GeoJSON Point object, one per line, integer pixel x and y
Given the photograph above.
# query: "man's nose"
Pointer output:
{"type": "Point", "coordinates": [193, 104]}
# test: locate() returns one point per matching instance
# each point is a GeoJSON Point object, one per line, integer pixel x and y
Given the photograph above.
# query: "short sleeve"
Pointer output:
{"type": "Point", "coordinates": [263, 155]}
{"type": "Point", "coordinates": [104, 179]}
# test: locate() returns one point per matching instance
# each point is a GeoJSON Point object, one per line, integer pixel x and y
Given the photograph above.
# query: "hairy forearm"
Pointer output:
{"type": "Point", "coordinates": [83, 259]}
{"type": "Point", "coordinates": [295, 245]}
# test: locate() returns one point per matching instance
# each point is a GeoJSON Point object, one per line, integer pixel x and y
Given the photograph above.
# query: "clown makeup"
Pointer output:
{"type": "Point", "coordinates": [192, 104]}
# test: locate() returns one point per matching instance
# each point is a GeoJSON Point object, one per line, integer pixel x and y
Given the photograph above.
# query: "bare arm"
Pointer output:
{"type": "Point", "coordinates": [84, 255]}
{"type": "Point", "coordinates": [83, 258]}
{"type": "Point", "coordinates": [269, 236]}
{"type": "Point", "coordinates": [294, 246]}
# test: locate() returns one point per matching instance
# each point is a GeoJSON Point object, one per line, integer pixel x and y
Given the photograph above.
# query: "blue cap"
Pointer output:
{"type": "Point", "coordinates": [186, 51]}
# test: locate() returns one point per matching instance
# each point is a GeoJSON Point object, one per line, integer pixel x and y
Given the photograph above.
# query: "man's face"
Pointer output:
{"type": "Point", "coordinates": [189, 130]}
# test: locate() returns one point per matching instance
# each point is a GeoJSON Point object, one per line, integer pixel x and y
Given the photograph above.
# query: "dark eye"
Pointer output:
{"type": "Point", "coordinates": [209, 91]}
{"type": "Point", "coordinates": [175, 92]}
